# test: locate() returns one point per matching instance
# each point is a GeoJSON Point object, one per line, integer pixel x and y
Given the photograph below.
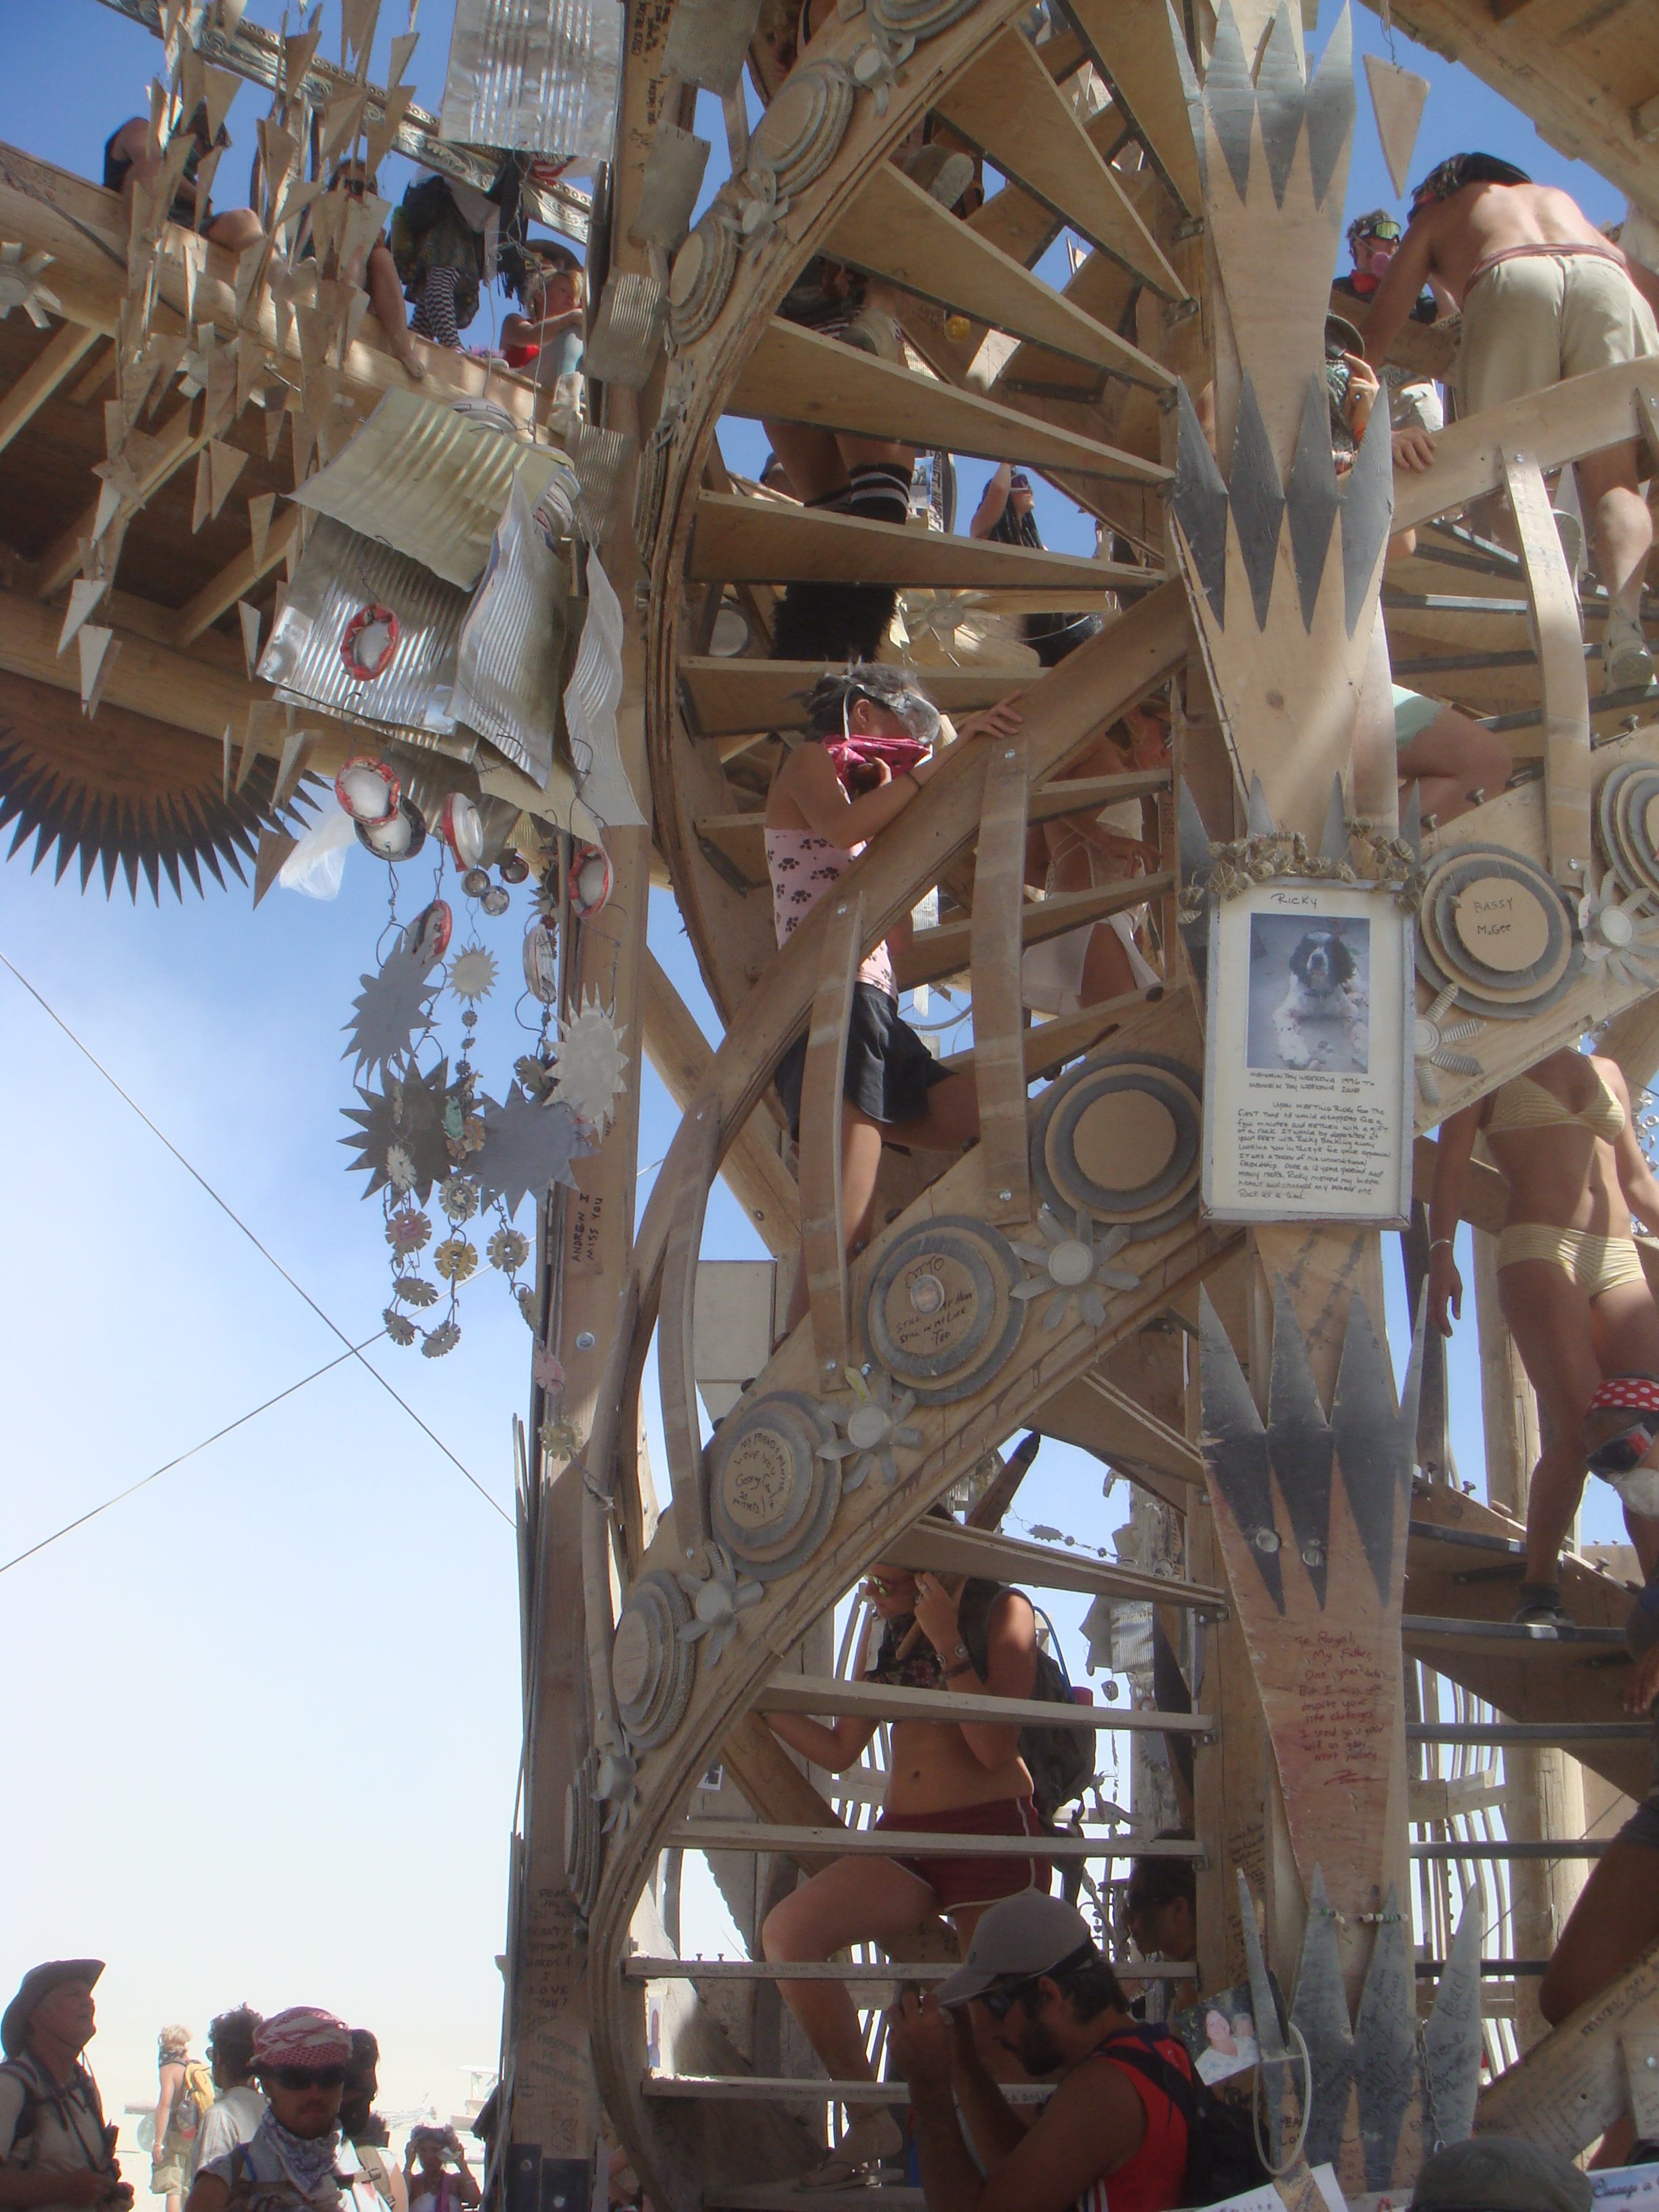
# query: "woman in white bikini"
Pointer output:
{"type": "Point", "coordinates": [1569, 1275]}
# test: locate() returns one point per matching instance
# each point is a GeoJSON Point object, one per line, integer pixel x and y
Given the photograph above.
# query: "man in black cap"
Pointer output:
{"type": "Point", "coordinates": [56, 2154]}
{"type": "Point", "coordinates": [1037, 1984]}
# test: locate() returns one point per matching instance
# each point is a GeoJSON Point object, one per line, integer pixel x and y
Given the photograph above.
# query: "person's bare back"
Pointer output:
{"type": "Point", "coordinates": [1484, 219]}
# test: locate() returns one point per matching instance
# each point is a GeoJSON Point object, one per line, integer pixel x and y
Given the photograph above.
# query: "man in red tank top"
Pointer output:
{"type": "Point", "coordinates": [1110, 2139]}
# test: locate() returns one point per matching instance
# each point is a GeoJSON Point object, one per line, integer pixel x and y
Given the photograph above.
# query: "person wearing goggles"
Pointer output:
{"type": "Point", "coordinates": [874, 739]}
{"type": "Point", "coordinates": [297, 2159]}
{"type": "Point", "coordinates": [1573, 1289]}
{"type": "Point", "coordinates": [1545, 297]}
{"type": "Point", "coordinates": [1114, 2133]}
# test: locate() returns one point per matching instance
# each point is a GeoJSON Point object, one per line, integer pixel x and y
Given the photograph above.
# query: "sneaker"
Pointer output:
{"type": "Point", "coordinates": [944, 175]}
{"type": "Point", "coordinates": [1541, 1607]}
{"type": "Point", "coordinates": [1626, 660]}
{"type": "Point", "coordinates": [1570, 531]}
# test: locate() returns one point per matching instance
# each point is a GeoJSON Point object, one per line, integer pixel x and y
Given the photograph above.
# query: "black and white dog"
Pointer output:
{"type": "Point", "coordinates": [1324, 988]}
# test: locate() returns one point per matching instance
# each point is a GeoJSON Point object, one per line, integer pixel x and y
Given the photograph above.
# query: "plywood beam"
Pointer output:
{"type": "Point", "coordinates": [733, 698]}
{"type": "Point", "coordinates": [236, 580]}
{"type": "Point", "coordinates": [62, 351]}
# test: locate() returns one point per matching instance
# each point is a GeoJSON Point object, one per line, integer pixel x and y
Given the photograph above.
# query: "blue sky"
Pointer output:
{"type": "Point", "coordinates": [263, 1719]}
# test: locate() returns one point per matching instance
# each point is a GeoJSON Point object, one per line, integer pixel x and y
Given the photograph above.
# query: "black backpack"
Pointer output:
{"type": "Point", "coordinates": [1061, 1760]}
{"type": "Point", "coordinates": [1222, 2158]}
{"type": "Point", "coordinates": [58, 2099]}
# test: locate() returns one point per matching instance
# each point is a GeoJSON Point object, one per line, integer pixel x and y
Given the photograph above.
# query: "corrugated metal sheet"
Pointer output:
{"type": "Point", "coordinates": [429, 482]}
{"type": "Point", "coordinates": [590, 703]}
{"type": "Point", "coordinates": [340, 572]}
{"type": "Point", "coordinates": [513, 641]}
{"type": "Point", "coordinates": [535, 75]}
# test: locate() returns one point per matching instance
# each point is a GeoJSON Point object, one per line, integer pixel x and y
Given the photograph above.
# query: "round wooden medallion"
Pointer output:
{"type": "Point", "coordinates": [701, 277]}
{"type": "Point", "coordinates": [1627, 817]}
{"type": "Point", "coordinates": [1496, 926]}
{"type": "Point", "coordinates": [940, 1315]}
{"type": "Point", "coordinates": [584, 1841]}
{"type": "Point", "coordinates": [797, 138]}
{"type": "Point", "coordinates": [1502, 924]}
{"type": "Point", "coordinates": [1119, 1138]}
{"type": "Point", "coordinates": [771, 1498]}
{"type": "Point", "coordinates": [651, 1664]}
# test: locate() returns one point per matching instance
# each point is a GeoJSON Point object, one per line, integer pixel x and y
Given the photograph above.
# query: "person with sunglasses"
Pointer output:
{"type": "Point", "coordinates": [296, 2160]}
{"type": "Point", "coordinates": [951, 1778]}
{"type": "Point", "coordinates": [1114, 2136]}
{"type": "Point", "coordinates": [873, 738]}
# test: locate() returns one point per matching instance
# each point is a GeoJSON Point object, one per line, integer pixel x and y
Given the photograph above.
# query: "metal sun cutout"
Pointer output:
{"type": "Point", "coordinates": [1609, 927]}
{"type": "Point", "coordinates": [717, 1598]}
{"type": "Point", "coordinates": [592, 1067]}
{"type": "Point", "coordinates": [870, 1429]}
{"type": "Point", "coordinates": [390, 1010]}
{"type": "Point", "coordinates": [1076, 1266]}
{"type": "Point", "coordinates": [21, 286]}
{"type": "Point", "coordinates": [1433, 1041]}
{"type": "Point", "coordinates": [472, 973]}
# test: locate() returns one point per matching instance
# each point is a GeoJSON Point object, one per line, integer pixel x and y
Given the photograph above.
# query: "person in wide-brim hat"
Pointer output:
{"type": "Point", "coordinates": [38, 1982]}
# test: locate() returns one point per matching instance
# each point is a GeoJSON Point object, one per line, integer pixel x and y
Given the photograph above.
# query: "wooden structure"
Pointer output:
{"type": "Point", "coordinates": [1236, 1377]}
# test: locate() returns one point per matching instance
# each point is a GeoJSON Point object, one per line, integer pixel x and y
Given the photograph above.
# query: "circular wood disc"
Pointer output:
{"type": "Point", "coordinates": [584, 1842]}
{"type": "Point", "coordinates": [1119, 1137]}
{"type": "Point", "coordinates": [1501, 925]}
{"type": "Point", "coordinates": [651, 1664]}
{"type": "Point", "coordinates": [941, 1316]}
{"type": "Point", "coordinates": [701, 277]}
{"type": "Point", "coordinates": [917, 19]}
{"type": "Point", "coordinates": [1627, 815]}
{"type": "Point", "coordinates": [771, 1498]}
{"type": "Point", "coordinates": [1498, 928]}
{"type": "Point", "coordinates": [797, 136]}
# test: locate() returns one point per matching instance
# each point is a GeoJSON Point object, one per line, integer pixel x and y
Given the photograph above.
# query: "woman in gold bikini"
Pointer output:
{"type": "Point", "coordinates": [1570, 1278]}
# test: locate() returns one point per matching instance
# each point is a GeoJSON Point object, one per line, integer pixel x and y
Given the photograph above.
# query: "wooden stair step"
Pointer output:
{"type": "Point", "coordinates": [944, 950]}
{"type": "Point", "coordinates": [854, 1972]}
{"type": "Point", "coordinates": [1430, 1628]}
{"type": "Point", "coordinates": [738, 540]}
{"type": "Point", "coordinates": [929, 1545]}
{"type": "Point", "coordinates": [1548, 1847]}
{"type": "Point", "coordinates": [1008, 104]}
{"type": "Point", "coordinates": [1130, 43]}
{"type": "Point", "coordinates": [884, 1701]}
{"type": "Point", "coordinates": [1047, 803]}
{"type": "Point", "coordinates": [897, 231]}
{"type": "Point", "coordinates": [808, 2089]}
{"type": "Point", "coordinates": [735, 698]}
{"type": "Point", "coordinates": [918, 1843]}
{"type": "Point", "coordinates": [1557, 1734]}
{"type": "Point", "coordinates": [795, 375]}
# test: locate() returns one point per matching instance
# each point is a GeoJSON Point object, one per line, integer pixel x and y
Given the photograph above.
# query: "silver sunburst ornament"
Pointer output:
{"type": "Point", "coordinates": [1608, 924]}
{"type": "Point", "coordinates": [717, 1598]}
{"type": "Point", "coordinates": [1076, 1266]}
{"type": "Point", "coordinates": [1434, 1042]}
{"type": "Point", "coordinates": [872, 1428]}
{"type": "Point", "coordinates": [21, 286]}
{"type": "Point", "coordinates": [615, 1767]}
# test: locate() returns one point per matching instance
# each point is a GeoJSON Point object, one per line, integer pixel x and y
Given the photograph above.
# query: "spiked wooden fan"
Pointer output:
{"type": "Point", "coordinates": [125, 792]}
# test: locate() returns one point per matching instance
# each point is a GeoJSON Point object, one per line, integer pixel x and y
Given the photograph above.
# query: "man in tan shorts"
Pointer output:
{"type": "Point", "coordinates": [1545, 297]}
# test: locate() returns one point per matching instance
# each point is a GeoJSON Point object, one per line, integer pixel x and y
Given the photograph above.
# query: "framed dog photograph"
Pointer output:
{"type": "Point", "coordinates": [1308, 1055]}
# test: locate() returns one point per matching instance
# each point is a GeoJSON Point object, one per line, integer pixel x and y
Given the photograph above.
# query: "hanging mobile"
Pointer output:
{"type": "Point", "coordinates": [399, 837]}
{"type": "Point", "coordinates": [370, 639]}
{"type": "Point", "coordinates": [367, 789]}
{"type": "Point", "coordinates": [591, 881]}
{"type": "Point", "coordinates": [462, 831]}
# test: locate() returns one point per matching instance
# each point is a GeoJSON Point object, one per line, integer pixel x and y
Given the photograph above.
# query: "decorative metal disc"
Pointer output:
{"type": "Point", "coordinates": [797, 138]}
{"type": "Point", "coordinates": [701, 277]}
{"type": "Point", "coordinates": [1119, 1138]}
{"type": "Point", "coordinates": [1627, 815]}
{"type": "Point", "coordinates": [583, 1842]}
{"type": "Point", "coordinates": [771, 1498]}
{"type": "Point", "coordinates": [941, 1316]}
{"type": "Point", "coordinates": [1496, 928]}
{"type": "Point", "coordinates": [917, 19]}
{"type": "Point", "coordinates": [651, 1664]}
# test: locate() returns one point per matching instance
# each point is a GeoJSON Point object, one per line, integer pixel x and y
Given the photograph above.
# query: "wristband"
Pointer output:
{"type": "Point", "coordinates": [966, 1668]}
{"type": "Point", "coordinates": [1437, 1242]}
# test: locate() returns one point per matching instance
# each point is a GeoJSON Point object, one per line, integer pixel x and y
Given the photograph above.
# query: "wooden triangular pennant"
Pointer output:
{"type": "Point", "coordinates": [297, 749]}
{"type": "Point", "coordinates": [225, 781]}
{"type": "Point", "coordinates": [297, 59]}
{"type": "Point", "coordinates": [250, 619]}
{"type": "Point", "coordinates": [342, 118]}
{"type": "Point", "coordinates": [403, 46]}
{"type": "Point", "coordinates": [226, 464]}
{"type": "Point", "coordinates": [204, 172]}
{"type": "Point", "coordinates": [357, 20]}
{"type": "Point", "coordinates": [219, 88]}
{"type": "Point", "coordinates": [250, 263]}
{"type": "Point", "coordinates": [109, 501]}
{"type": "Point", "coordinates": [364, 220]}
{"type": "Point", "coordinates": [260, 509]}
{"type": "Point", "coordinates": [275, 845]}
{"type": "Point", "coordinates": [1397, 100]}
{"type": "Point", "coordinates": [380, 135]}
{"type": "Point", "coordinates": [99, 647]}
{"type": "Point", "coordinates": [204, 502]}
{"type": "Point", "coordinates": [275, 417]}
{"type": "Point", "coordinates": [84, 595]}
{"type": "Point", "coordinates": [277, 148]}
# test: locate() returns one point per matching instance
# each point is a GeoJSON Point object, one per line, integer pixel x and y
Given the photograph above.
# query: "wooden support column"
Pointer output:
{"type": "Point", "coordinates": [1544, 1789]}
{"type": "Point", "coordinates": [823, 1243]}
{"type": "Point", "coordinates": [997, 950]}
{"type": "Point", "coordinates": [1557, 634]}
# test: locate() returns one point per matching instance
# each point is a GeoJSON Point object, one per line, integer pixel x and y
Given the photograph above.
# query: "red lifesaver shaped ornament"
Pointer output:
{"type": "Point", "coordinates": [371, 639]}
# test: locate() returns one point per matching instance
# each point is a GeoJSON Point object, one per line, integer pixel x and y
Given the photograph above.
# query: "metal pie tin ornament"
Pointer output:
{"type": "Point", "coordinates": [370, 639]}
{"type": "Point", "coordinates": [461, 830]}
{"type": "Point", "coordinates": [772, 1495]}
{"type": "Point", "coordinates": [591, 881]}
{"type": "Point", "coordinates": [941, 1316]}
{"type": "Point", "coordinates": [367, 789]}
{"type": "Point", "coordinates": [512, 867]}
{"type": "Point", "coordinates": [1119, 1141]}
{"type": "Point", "coordinates": [427, 936]}
{"type": "Point", "coordinates": [399, 838]}
{"type": "Point", "coordinates": [1496, 928]}
{"type": "Point", "coordinates": [541, 961]}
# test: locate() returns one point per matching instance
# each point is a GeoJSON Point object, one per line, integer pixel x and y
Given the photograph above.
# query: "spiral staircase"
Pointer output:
{"type": "Point", "coordinates": [927, 1353]}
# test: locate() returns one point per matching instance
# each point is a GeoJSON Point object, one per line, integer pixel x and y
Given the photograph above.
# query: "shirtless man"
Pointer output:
{"type": "Point", "coordinates": [952, 1777]}
{"type": "Point", "coordinates": [1544, 297]}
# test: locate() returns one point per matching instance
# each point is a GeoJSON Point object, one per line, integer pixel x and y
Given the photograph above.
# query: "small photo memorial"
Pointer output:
{"type": "Point", "coordinates": [1310, 994]}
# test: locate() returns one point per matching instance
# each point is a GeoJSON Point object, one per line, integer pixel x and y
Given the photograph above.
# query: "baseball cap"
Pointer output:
{"type": "Point", "coordinates": [1029, 1934]}
{"type": "Point", "coordinates": [1500, 2173]}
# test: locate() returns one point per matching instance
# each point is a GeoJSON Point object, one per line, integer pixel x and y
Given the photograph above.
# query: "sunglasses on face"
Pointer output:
{"type": "Point", "coordinates": [308, 2077]}
{"type": "Point", "coordinates": [1000, 2001]}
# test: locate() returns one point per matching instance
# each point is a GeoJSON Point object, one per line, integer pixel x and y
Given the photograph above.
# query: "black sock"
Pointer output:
{"type": "Point", "coordinates": [880, 491]}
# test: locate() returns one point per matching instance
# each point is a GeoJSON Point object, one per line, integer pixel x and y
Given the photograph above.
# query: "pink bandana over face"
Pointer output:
{"type": "Point", "coordinates": [304, 2035]}
{"type": "Point", "coordinates": [857, 750]}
